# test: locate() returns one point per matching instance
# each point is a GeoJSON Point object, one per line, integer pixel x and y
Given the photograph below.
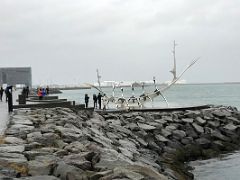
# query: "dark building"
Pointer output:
{"type": "Point", "coordinates": [16, 75]}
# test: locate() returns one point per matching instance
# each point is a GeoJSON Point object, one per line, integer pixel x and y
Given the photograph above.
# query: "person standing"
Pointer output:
{"type": "Point", "coordinates": [9, 97]}
{"type": "Point", "coordinates": [105, 101]}
{"type": "Point", "coordinates": [1, 93]}
{"type": "Point", "coordinates": [40, 93]}
{"type": "Point", "coordinates": [95, 100]}
{"type": "Point", "coordinates": [27, 91]}
{"type": "Point", "coordinates": [47, 90]}
{"type": "Point", "coordinates": [86, 100]}
{"type": "Point", "coordinates": [99, 98]}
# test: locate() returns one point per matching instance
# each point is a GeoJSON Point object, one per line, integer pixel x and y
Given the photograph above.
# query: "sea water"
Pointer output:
{"type": "Point", "coordinates": [177, 95]}
{"type": "Point", "coordinates": [224, 168]}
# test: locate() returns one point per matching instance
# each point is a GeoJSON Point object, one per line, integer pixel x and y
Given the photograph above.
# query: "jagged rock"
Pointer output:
{"type": "Point", "coordinates": [207, 113]}
{"type": "Point", "coordinates": [35, 137]}
{"type": "Point", "coordinates": [146, 127]}
{"type": "Point", "coordinates": [234, 120]}
{"type": "Point", "coordinates": [200, 121]}
{"type": "Point", "coordinates": [101, 174]}
{"type": "Point", "coordinates": [75, 147]}
{"type": "Point", "coordinates": [174, 144]}
{"type": "Point", "coordinates": [179, 134]}
{"type": "Point", "coordinates": [112, 159]}
{"type": "Point", "coordinates": [31, 155]}
{"type": "Point", "coordinates": [133, 126]}
{"type": "Point", "coordinates": [140, 119]}
{"type": "Point", "coordinates": [170, 128]}
{"type": "Point", "coordinates": [40, 178]}
{"type": "Point", "coordinates": [167, 119]}
{"type": "Point", "coordinates": [198, 128]}
{"type": "Point", "coordinates": [220, 114]}
{"type": "Point", "coordinates": [161, 138]}
{"type": "Point", "coordinates": [78, 160]}
{"type": "Point", "coordinates": [187, 120]}
{"type": "Point", "coordinates": [13, 164]}
{"type": "Point", "coordinates": [11, 148]}
{"type": "Point", "coordinates": [192, 114]}
{"type": "Point", "coordinates": [42, 165]}
{"type": "Point", "coordinates": [230, 127]}
{"type": "Point", "coordinates": [122, 172]}
{"type": "Point", "coordinates": [141, 141]}
{"type": "Point", "coordinates": [65, 171]}
{"type": "Point", "coordinates": [218, 135]}
{"type": "Point", "coordinates": [113, 136]}
{"type": "Point", "coordinates": [13, 140]}
{"type": "Point", "coordinates": [214, 123]}
{"type": "Point", "coordinates": [165, 133]}
{"type": "Point", "coordinates": [191, 132]}
{"type": "Point", "coordinates": [203, 142]}
{"type": "Point", "coordinates": [187, 140]}
{"type": "Point", "coordinates": [33, 145]}
{"type": "Point", "coordinates": [90, 143]}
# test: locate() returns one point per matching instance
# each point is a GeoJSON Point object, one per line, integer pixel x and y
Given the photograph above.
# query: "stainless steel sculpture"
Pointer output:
{"type": "Point", "coordinates": [138, 101]}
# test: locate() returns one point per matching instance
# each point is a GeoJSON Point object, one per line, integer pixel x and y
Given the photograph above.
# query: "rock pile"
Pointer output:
{"type": "Point", "coordinates": [60, 143]}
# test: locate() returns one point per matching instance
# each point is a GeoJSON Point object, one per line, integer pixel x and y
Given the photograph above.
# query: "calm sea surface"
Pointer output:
{"type": "Point", "coordinates": [225, 168]}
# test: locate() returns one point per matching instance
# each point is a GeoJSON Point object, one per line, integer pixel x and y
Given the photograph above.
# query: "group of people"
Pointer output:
{"type": "Point", "coordinates": [97, 100]}
{"type": "Point", "coordinates": [41, 92]}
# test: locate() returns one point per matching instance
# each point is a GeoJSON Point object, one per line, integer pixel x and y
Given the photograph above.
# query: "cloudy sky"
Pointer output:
{"type": "Point", "coordinates": [65, 41]}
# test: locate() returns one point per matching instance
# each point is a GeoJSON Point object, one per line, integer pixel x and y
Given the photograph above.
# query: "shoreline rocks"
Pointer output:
{"type": "Point", "coordinates": [60, 143]}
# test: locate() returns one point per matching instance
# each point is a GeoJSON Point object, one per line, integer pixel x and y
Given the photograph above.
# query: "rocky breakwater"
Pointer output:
{"type": "Point", "coordinates": [61, 143]}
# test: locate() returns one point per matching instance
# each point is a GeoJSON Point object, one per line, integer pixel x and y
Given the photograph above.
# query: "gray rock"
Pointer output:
{"type": "Point", "coordinates": [42, 165]}
{"type": "Point", "coordinates": [219, 113]}
{"type": "Point", "coordinates": [12, 163]}
{"type": "Point", "coordinates": [187, 140]}
{"type": "Point", "coordinates": [179, 134]}
{"type": "Point", "coordinates": [75, 147]}
{"type": "Point", "coordinates": [13, 140]}
{"type": "Point", "coordinates": [199, 129]}
{"type": "Point", "coordinates": [133, 127]}
{"type": "Point", "coordinates": [170, 128]}
{"type": "Point", "coordinates": [192, 114]}
{"type": "Point", "coordinates": [41, 178]}
{"type": "Point", "coordinates": [230, 127]}
{"type": "Point", "coordinates": [218, 135]}
{"type": "Point", "coordinates": [81, 160]}
{"type": "Point", "coordinates": [4, 148]}
{"type": "Point", "coordinates": [161, 138]}
{"type": "Point", "coordinates": [35, 137]}
{"type": "Point", "coordinates": [140, 119]}
{"type": "Point", "coordinates": [31, 155]}
{"type": "Point", "coordinates": [233, 119]}
{"type": "Point", "coordinates": [203, 142]}
{"type": "Point", "coordinates": [142, 142]}
{"type": "Point", "coordinates": [187, 120]}
{"type": "Point", "coordinates": [166, 133]}
{"type": "Point", "coordinates": [146, 127]}
{"type": "Point", "coordinates": [200, 121]}
{"type": "Point", "coordinates": [63, 171]}
{"type": "Point", "coordinates": [167, 119]}
{"type": "Point", "coordinates": [214, 124]}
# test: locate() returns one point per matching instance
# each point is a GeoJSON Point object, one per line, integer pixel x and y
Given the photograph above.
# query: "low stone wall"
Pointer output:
{"type": "Point", "coordinates": [61, 143]}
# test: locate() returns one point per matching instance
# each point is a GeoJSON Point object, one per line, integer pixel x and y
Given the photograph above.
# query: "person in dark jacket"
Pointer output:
{"type": "Point", "coordinates": [86, 100]}
{"type": "Point", "coordinates": [1, 92]}
{"type": "Point", "coordinates": [8, 92]}
{"type": "Point", "coordinates": [99, 98]}
{"type": "Point", "coordinates": [95, 100]}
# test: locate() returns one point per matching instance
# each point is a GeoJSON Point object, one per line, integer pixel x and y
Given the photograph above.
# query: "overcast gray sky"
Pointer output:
{"type": "Point", "coordinates": [65, 41]}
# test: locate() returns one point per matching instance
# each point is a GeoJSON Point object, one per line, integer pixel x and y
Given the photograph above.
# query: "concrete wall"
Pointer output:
{"type": "Point", "coordinates": [16, 75]}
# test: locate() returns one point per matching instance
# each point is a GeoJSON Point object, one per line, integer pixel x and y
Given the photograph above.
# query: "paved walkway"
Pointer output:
{"type": "Point", "coordinates": [4, 115]}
